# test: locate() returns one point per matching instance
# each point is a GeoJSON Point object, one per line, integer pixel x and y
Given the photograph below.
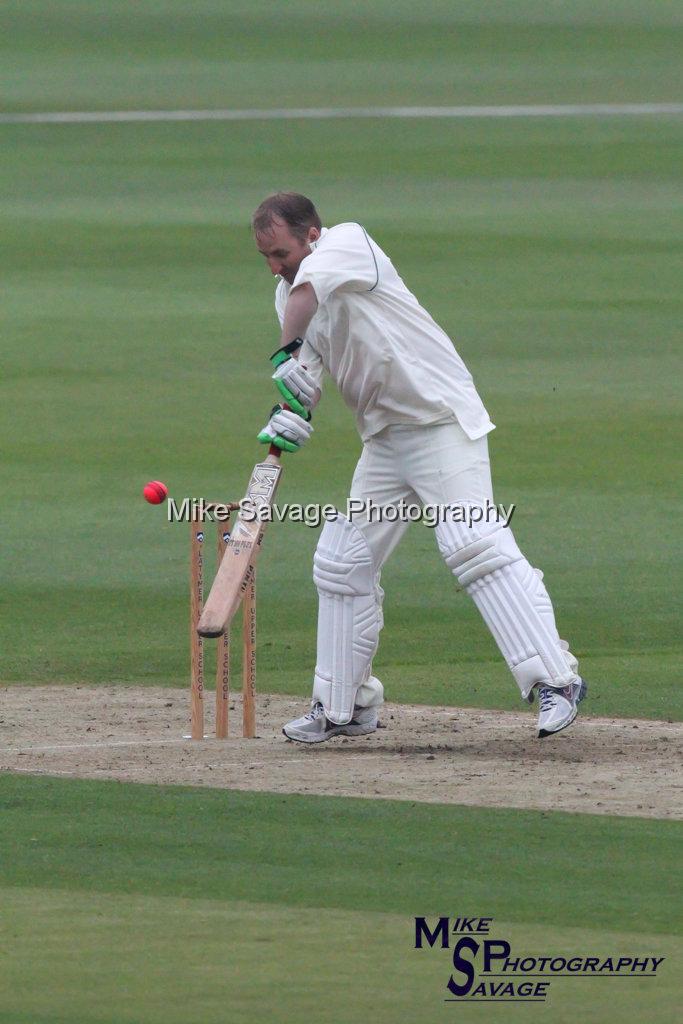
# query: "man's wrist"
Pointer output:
{"type": "Point", "coordinates": [281, 355]}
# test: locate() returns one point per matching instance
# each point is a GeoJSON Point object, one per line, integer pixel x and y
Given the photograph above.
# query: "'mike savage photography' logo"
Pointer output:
{"type": "Point", "coordinates": [486, 969]}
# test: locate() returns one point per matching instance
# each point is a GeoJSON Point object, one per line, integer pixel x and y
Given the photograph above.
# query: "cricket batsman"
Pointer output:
{"type": "Point", "coordinates": [344, 310]}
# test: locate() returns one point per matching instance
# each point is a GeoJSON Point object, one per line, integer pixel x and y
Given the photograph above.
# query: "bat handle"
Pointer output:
{"type": "Point", "coordinates": [274, 450]}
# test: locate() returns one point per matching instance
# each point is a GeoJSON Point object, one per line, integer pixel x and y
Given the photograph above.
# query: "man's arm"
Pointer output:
{"type": "Point", "coordinates": [299, 311]}
{"type": "Point", "coordinates": [295, 383]}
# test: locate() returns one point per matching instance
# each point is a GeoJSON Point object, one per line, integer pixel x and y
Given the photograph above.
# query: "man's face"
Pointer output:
{"type": "Point", "coordinates": [283, 250]}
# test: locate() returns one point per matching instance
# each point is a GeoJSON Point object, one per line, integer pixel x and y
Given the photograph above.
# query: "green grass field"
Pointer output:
{"type": "Point", "coordinates": [137, 321]}
{"type": "Point", "coordinates": [174, 903]}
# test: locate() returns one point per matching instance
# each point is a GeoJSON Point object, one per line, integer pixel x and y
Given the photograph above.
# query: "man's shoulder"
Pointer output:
{"type": "Point", "coordinates": [346, 233]}
{"type": "Point", "coordinates": [346, 241]}
{"type": "Point", "coordinates": [346, 225]}
{"type": "Point", "coordinates": [351, 227]}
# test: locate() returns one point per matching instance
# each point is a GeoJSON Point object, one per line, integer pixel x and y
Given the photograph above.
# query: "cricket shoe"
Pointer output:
{"type": "Point", "coordinates": [558, 708]}
{"type": "Point", "coordinates": [315, 727]}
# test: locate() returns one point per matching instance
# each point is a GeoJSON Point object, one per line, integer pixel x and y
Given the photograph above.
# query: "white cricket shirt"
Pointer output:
{"type": "Point", "coordinates": [390, 360]}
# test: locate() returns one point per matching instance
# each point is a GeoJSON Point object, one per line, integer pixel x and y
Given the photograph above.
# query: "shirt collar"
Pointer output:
{"type": "Point", "coordinates": [314, 245]}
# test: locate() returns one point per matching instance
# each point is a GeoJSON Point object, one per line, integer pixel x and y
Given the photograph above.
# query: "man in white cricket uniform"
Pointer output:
{"type": "Point", "coordinates": [345, 311]}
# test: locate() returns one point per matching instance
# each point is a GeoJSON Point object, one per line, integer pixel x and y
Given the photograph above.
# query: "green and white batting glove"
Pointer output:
{"type": "Point", "coordinates": [293, 381]}
{"type": "Point", "coordinates": [285, 429]}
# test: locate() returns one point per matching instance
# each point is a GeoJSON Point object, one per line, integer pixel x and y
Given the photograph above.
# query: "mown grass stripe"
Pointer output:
{"type": "Point", "coordinates": [308, 851]}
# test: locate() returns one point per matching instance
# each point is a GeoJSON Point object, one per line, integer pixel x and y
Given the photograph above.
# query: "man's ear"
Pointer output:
{"type": "Point", "coordinates": [313, 234]}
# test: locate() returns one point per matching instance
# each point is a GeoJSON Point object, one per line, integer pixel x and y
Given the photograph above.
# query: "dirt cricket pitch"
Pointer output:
{"type": "Point", "coordinates": [425, 754]}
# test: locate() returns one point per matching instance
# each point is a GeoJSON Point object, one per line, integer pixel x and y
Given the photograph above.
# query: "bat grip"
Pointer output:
{"type": "Point", "coordinates": [274, 450]}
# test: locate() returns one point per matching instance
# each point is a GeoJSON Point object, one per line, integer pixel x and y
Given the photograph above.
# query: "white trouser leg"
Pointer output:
{"type": "Point", "coordinates": [440, 465]}
{"type": "Point", "coordinates": [512, 598]}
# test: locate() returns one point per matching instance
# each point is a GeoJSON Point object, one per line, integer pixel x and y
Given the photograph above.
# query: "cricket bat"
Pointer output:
{"type": "Point", "coordinates": [242, 549]}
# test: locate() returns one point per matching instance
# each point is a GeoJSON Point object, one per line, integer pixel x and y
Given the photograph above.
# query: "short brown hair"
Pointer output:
{"type": "Point", "coordinates": [298, 213]}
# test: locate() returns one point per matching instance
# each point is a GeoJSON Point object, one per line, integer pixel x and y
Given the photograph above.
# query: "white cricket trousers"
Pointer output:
{"type": "Point", "coordinates": [420, 465]}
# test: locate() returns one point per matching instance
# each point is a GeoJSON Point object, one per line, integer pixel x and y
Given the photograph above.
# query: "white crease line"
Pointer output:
{"type": "Point", "coordinates": [277, 761]}
{"type": "Point", "coordinates": [587, 724]}
{"type": "Point", "coordinates": [324, 113]}
{"type": "Point", "coordinates": [244, 763]}
{"type": "Point", "coordinates": [55, 771]}
{"type": "Point", "coordinates": [200, 767]}
{"type": "Point", "coordinates": [190, 744]}
{"type": "Point", "coordinates": [104, 743]}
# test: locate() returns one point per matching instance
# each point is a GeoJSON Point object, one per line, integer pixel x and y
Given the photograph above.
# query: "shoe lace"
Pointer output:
{"type": "Point", "coordinates": [315, 713]}
{"type": "Point", "coordinates": [546, 698]}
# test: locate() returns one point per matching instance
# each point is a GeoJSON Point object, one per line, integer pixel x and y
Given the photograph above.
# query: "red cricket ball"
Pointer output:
{"type": "Point", "coordinates": [155, 492]}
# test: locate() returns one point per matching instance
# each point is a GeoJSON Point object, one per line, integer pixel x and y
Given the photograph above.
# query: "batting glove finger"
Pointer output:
{"type": "Point", "coordinates": [294, 382]}
{"type": "Point", "coordinates": [286, 429]}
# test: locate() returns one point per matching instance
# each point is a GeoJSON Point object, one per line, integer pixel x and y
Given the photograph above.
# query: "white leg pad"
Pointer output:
{"type": "Point", "coordinates": [348, 617]}
{"type": "Point", "coordinates": [512, 599]}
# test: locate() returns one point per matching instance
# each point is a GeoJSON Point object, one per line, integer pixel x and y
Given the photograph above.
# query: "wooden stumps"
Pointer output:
{"type": "Point", "coordinates": [197, 537]}
{"type": "Point", "coordinates": [196, 642]}
{"type": "Point", "coordinates": [222, 654]}
{"type": "Point", "coordinates": [249, 657]}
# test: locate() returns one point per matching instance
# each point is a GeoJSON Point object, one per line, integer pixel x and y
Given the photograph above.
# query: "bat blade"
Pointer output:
{"type": "Point", "coordinates": [241, 550]}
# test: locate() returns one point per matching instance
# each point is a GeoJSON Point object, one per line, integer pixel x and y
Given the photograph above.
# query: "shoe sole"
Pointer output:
{"type": "Point", "coordinates": [542, 733]}
{"type": "Point", "coordinates": [337, 730]}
